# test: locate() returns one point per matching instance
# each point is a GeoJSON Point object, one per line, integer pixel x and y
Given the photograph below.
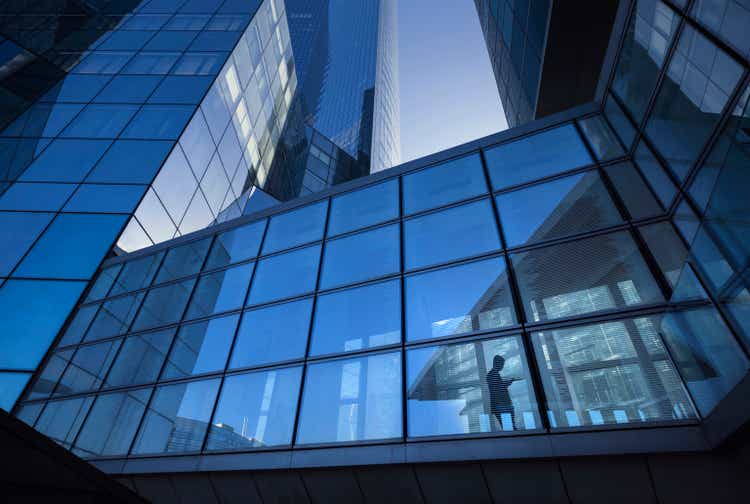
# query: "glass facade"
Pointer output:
{"type": "Point", "coordinates": [590, 274]}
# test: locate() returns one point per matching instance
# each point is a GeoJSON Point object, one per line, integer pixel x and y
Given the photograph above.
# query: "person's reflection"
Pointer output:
{"type": "Point", "coordinates": [500, 401]}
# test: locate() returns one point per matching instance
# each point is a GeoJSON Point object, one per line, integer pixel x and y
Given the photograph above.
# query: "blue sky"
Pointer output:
{"type": "Point", "coordinates": [448, 92]}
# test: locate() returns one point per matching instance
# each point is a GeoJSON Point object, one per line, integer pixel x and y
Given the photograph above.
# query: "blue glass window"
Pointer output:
{"type": "Point", "coordinates": [100, 121]}
{"type": "Point", "coordinates": [103, 283]}
{"type": "Point", "coordinates": [365, 207]}
{"type": "Point", "coordinates": [187, 22]}
{"type": "Point", "coordinates": [458, 300]}
{"type": "Point", "coordinates": [65, 160]}
{"type": "Point", "coordinates": [61, 420]}
{"type": "Point", "coordinates": [491, 393]}
{"type": "Point", "coordinates": [556, 208]}
{"type": "Point", "coordinates": [50, 375]}
{"type": "Point", "coordinates": [114, 317]}
{"type": "Point", "coordinates": [296, 227]}
{"type": "Point", "coordinates": [78, 326]}
{"type": "Point", "coordinates": [103, 63]}
{"type": "Point", "coordinates": [361, 256]}
{"type": "Point", "coordinates": [196, 63]}
{"type": "Point", "coordinates": [255, 410]}
{"type": "Point", "coordinates": [620, 121]}
{"type": "Point", "coordinates": [151, 63]}
{"type": "Point", "coordinates": [11, 386]}
{"type": "Point", "coordinates": [201, 347]}
{"type": "Point", "coordinates": [354, 319]}
{"type": "Point", "coordinates": [601, 138]}
{"type": "Point", "coordinates": [187, 90]}
{"type": "Point", "coordinates": [137, 274]}
{"type": "Point", "coordinates": [171, 40]}
{"type": "Point", "coordinates": [450, 234]}
{"type": "Point", "coordinates": [536, 156]}
{"type": "Point", "coordinates": [261, 331]}
{"type": "Point", "coordinates": [161, 122]}
{"type": "Point", "coordinates": [111, 425]}
{"type": "Point", "coordinates": [352, 400]}
{"type": "Point", "coordinates": [72, 246]}
{"type": "Point", "coordinates": [609, 373]}
{"type": "Point", "coordinates": [105, 198]}
{"type": "Point", "coordinates": [585, 276]}
{"type": "Point", "coordinates": [130, 162]}
{"type": "Point", "coordinates": [657, 177]}
{"type": "Point", "coordinates": [221, 291]}
{"type": "Point", "coordinates": [140, 358]}
{"type": "Point", "coordinates": [128, 89]}
{"type": "Point", "coordinates": [633, 191]}
{"type": "Point", "coordinates": [183, 260]}
{"type": "Point", "coordinates": [77, 88]}
{"type": "Point", "coordinates": [18, 232]}
{"type": "Point", "coordinates": [125, 40]}
{"type": "Point", "coordinates": [445, 183]}
{"type": "Point", "coordinates": [164, 305]}
{"type": "Point", "coordinates": [36, 197]}
{"type": "Point", "coordinates": [285, 275]}
{"type": "Point", "coordinates": [236, 245]}
{"type": "Point", "coordinates": [177, 418]}
{"type": "Point", "coordinates": [87, 368]}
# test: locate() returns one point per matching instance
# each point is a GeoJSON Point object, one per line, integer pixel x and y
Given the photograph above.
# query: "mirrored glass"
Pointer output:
{"type": "Point", "coordinates": [633, 191]}
{"type": "Point", "coordinates": [220, 291]}
{"type": "Point", "coordinates": [352, 400]}
{"type": "Point", "coordinates": [183, 260]}
{"type": "Point", "coordinates": [445, 183]}
{"type": "Point", "coordinates": [296, 227]}
{"type": "Point", "coordinates": [164, 305]}
{"type": "Point", "coordinates": [286, 275]}
{"type": "Point", "coordinates": [88, 368]}
{"type": "Point", "coordinates": [601, 138]}
{"type": "Point", "coordinates": [235, 245]}
{"type": "Point", "coordinates": [114, 317]}
{"type": "Point", "coordinates": [49, 376]}
{"type": "Point", "coordinates": [103, 283]}
{"type": "Point", "coordinates": [365, 207]}
{"type": "Point", "coordinates": [201, 347]}
{"type": "Point", "coordinates": [61, 420]}
{"type": "Point", "coordinates": [140, 358]}
{"type": "Point", "coordinates": [255, 410]}
{"type": "Point", "coordinates": [137, 273]}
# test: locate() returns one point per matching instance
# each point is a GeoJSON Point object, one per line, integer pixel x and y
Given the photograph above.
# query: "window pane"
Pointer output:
{"type": "Point", "coordinates": [78, 326]}
{"type": "Point", "coordinates": [114, 317]}
{"type": "Point", "coordinates": [137, 274]}
{"type": "Point", "coordinates": [365, 207]}
{"type": "Point", "coordinates": [88, 368]}
{"type": "Point", "coordinates": [105, 198]}
{"type": "Point", "coordinates": [103, 283]}
{"type": "Point", "coordinates": [285, 275]}
{"type": "Point", "coordinates": [667, 248]}
{"type": "Point", "coordinates": [655, 174]}
{"type": "Point", "coordinates": [609, 373]}
{"type": "Point", "coordinates": [159, 122]}
{"type": "Point", "coordinates": [700, 79]}
{"type": "Point", "coordinates": [164, 305]}
{"type": "Point", "coordinates": [177, 418]}
{"type": "Point", "coordinates": [11, 387]}
{"type": "Point", "coordinates": [65, 160]}
{"type": "Point", "coordinates": [706, 354]}
{"type": "Point", "coordinates": [648, 38]}
{"type": "Point", "coordinates": [455, 233]}
{"type": "Point", "coordinates": [457, 300]}
{"type": "Point", "coordinates": [131, 162]}
{"type": "Point", "coordinates": [140, 359]}
{"type": "Point", "coordinates": [365, 317]}
{"type": "Point", "coordinates": [236, 245]}
{"type": "Point", "coordinates": [202, 347]}
{"type": "Point", "coordinates": [352, 400]}
{"type": "Point", "coordinates": [183, 260]}
{"type": "Point", "coordinates": [601, 138]}
{"type": "Point", "coordinates": [47, 379]}
{"type": "Point", "coordinates": [554, 209]}
{"type": "Point", "coordinates": [633, 191]}
{"type": "Point", "coordinates": [18, 230]}
{"type": "Point", "coordinates": [110, 427]}
{"type": "Point", "coordinates": [256, 410]}
{"type": "Point", "coordinates": [620, 121]}
{"type": "Point", "coordinates": [100, 121]}
{"type": "Point", "coordinates": [536, 156]}
{"type": "Point", "coordinates": [480, 386]}
{"type": "Point", "coordinates": [585, 276]}
{"type": "Point", "coordinates": [221, 291]}
{"type": "Point", "coordinates": [296, 227]}
{"type": "Point", "coordinates": [445, 183]}
{"type": "Point", "coordinates": [262, 330]}
{"type": "Point", "coordinates": [61, 420]}
{"type": "Point", "coordinates": [361, 256]}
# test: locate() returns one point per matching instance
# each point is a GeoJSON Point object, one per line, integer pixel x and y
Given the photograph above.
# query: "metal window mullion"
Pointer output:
{"type": "Point", "coordinates": [402, 307]}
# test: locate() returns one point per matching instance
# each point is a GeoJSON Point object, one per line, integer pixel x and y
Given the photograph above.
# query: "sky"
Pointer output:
{"type": "Point", "coordinates": [448, 91]}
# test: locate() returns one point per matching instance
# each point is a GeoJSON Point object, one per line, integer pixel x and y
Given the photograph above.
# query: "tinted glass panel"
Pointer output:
{"type": "Point", "coordinates": [137, 274]}
{"type": "Point", "coordinates": [140, 358]}
{"type": "Point", "coordinates": [585, 276]}
{"type": "Point", "coordinates": [365, 207]}
{"type": "Point", "coordinates": [262, 330]}
{"type": "Point", "coordinates": [201, 347]}
{"type": "Point", "coordinates": [79, 325]}
{"type": "Point", "coordinates": [352, 400]}
{"type": "Point", "coordinates": [361, 256]}
{"type": "Point", "coordinates": [655, 174]}
{"type": "Point", "coordinates": [114, 317]}
{"type": "Point", "coordinates": [480, 386]}
{"type": "Point", "coordinates": [61, 420]}
{"type": "Point", "coordinates": [103, 282]}
{"type": "Point", "coordinates": [601, 138]}
{"type": "Point", "coordinates": [455, 233]}
{"type": "Point", "coordinates": [177, 418]}
{"type": "Point", "coordinates": [47, 379]}
{"type": "Point", "coordinates": [609, 373]}
{"type": "Point", "coordinates": [221, 291]}
{"type": "Point", "coordinates": [164, 305]}
{"type": "Point", "coordinates": [536, 156]}
{"type": "Point", "coordinates": [457, 300]}
{"type": "Point", "coordinates": [633, 191]}
{"type": "Point", "coordinates": [88, 368]}
{"type": "Point", "coordinates": [110, 427]}
{"type": "Point", "coordinates": [296, 227]}
{"type": "Point", "coordinates": [183, 260]}
{"type": "Point", "coordinates": [666, 247]}
{"type": "Point", "coordinates": [442, 184]}
{"type": "Point", "coordinates": [236, 245]}
{"type": "Point", "coordinates": [285, 275]}
{"type": "Point", "coordinates": [554, 209]}
{"type": "Point", "coordinates": [365, 317]}
{"type": "Point", "coordinates": [255, 410]}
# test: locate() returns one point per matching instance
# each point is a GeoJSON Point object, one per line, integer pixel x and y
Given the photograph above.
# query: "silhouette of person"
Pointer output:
{"type": "Point", "coordinates": [500, 401]}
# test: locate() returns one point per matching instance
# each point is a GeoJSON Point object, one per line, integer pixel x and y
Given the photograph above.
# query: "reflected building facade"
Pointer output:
{"type": "Point", "coordinates": [515, 305]}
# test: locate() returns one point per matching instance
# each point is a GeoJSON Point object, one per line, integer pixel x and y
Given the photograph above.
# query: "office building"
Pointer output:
{"type": "Point", "coordinates": [554, 313]}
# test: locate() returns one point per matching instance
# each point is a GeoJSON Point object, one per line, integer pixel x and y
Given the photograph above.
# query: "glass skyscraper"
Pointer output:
{"type": "Point", "coordinates": [557, 312]}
